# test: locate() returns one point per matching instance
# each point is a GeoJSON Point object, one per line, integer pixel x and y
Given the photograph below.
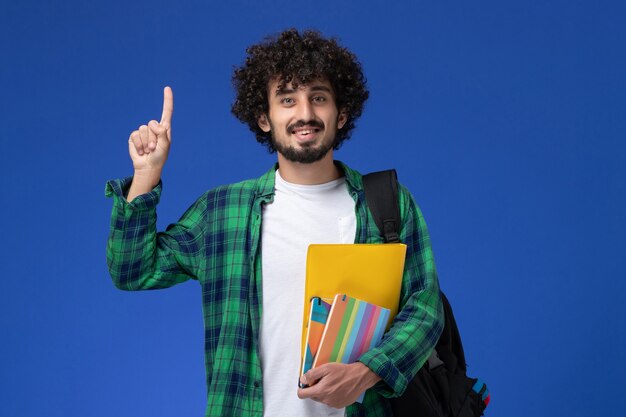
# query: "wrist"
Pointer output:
{"type": "Point", "coordinates": [147, 178]}
{"type": "Point", "coordinates": [143, 182]}
{"type": "Point", "coordinates": [367, 377]}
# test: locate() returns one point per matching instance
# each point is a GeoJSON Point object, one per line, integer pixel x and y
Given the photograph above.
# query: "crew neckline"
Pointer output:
{"type": "Point", "coordinates": [308, 187]}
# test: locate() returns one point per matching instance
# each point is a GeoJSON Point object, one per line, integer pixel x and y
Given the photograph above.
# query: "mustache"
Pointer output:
{"type": "Point", "coordinates": [301, 123]}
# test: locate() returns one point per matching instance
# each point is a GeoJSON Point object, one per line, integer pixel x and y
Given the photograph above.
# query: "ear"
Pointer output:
{"type": "Point", "coordinates": [263, 123]}
{"type": "Point", "coordinates": [342, 118]}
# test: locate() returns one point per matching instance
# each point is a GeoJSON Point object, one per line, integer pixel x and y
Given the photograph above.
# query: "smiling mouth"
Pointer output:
{"type": "Point", "coordinates": [304, 132]}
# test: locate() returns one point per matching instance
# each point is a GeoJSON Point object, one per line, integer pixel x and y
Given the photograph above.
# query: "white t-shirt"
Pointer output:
{"type": "Point", "coordinates": [298, 216]}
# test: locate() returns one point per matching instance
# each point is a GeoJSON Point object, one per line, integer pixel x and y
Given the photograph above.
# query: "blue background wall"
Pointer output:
{"type": "Point", "coordinates": [505, 119]}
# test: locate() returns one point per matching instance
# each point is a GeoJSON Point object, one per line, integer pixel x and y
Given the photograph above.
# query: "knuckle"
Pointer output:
{"type": "Point", "coordinates": [156, 128]}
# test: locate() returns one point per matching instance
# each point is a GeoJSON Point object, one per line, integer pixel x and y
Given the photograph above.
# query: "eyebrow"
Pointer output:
{"type": "Point", "coordinates": [284, 91]}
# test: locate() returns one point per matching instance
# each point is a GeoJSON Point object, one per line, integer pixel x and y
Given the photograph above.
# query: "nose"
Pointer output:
{"type": "Point", "coordinates": [305, 110]}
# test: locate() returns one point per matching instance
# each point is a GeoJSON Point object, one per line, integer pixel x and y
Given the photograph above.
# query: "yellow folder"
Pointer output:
{"type": "Point", "coordinates": [369, 272]}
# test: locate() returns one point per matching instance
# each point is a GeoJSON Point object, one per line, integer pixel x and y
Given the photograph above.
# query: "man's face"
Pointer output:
{"type": "Point", "coordinates": [303, 121]}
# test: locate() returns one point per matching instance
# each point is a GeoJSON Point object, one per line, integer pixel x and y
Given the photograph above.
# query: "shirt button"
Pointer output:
{"type": "Point", "coordinates": [257, 384]}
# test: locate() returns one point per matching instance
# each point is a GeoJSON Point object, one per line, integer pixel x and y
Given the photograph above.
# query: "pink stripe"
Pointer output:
{"type": "Point", "coordinates": [369, 332]}
{"type": "Point", "coordinates": [365, 322]}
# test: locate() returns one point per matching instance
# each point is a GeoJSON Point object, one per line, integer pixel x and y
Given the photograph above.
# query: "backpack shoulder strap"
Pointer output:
{"type": "Point", "coordinates": [381, 194]}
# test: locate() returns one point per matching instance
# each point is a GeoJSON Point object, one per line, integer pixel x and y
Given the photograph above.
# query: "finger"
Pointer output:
{"type": "Point", "coordinates": [310, 392]}
{"type": "Point", "coordinates": [152, 140]}
{"type": "Point", "coordinates": [312, 376]}
{"type": "Point", "coordinates": [158, 130]}
{"type": "Point", "coordinates": [168, 107]}
{"type": "Point", "coordinates": [143, 135]}
{"type": "Point", "coordinates": [135, 142]}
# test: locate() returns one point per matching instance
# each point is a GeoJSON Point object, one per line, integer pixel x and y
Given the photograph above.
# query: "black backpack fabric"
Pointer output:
{"type": "Point", "coordinates": [441, 387]}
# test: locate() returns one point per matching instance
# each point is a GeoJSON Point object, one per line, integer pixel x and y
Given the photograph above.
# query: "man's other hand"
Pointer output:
{"type": "Point", "coordinates": [336, 384]}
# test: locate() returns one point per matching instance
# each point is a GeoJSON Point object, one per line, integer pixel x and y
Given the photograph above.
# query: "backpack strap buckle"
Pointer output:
{"type": "Point", "coordinates": [390, 230]}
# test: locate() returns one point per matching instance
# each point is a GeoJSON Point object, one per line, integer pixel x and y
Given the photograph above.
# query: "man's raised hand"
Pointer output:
{"type": "Point", "coordinates": [149, 145]}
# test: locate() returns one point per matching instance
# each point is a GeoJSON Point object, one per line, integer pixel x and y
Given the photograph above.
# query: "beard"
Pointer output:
{"type": "Point", "coordinates": [308, 152]}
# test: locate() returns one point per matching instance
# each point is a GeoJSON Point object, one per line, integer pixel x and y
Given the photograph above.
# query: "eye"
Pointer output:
{"type": "Point", "coordinates": [287, 101]}
{"type": "Point", "coordinates": [319, 99]}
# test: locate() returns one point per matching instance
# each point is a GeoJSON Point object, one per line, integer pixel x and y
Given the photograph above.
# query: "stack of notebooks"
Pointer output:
{"type": "Point", "coordinates": [342, 331]}
{"type": "Point", "coordinates": [352, 294]}
{"type": "Point", "coordinates": [368, 272]}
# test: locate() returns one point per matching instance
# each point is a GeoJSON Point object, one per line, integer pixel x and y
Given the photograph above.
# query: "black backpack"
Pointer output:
{"type": "Point", "coordinates": [441, 387]}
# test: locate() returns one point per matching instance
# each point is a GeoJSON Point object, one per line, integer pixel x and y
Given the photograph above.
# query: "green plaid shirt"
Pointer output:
{"type": "Point", "coordinates": [216, 242]}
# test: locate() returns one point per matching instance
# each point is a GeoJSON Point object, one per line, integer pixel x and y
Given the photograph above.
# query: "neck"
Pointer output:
{"type": "Point", "coordinates": [319, 172]}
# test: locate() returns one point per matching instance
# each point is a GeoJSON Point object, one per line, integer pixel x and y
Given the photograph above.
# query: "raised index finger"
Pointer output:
{"type": "Point", "coordinates": [168, 107]}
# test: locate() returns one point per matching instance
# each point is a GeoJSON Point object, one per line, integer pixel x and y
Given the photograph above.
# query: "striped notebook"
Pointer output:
{"type": "Point", "coordinates": [353, 327]}
{"type": "Point", "coordinates": [315, 329]}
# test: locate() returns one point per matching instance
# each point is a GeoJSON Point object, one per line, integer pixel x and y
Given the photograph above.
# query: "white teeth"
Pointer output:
{"type": "Point", "coordinates": [304, 132]}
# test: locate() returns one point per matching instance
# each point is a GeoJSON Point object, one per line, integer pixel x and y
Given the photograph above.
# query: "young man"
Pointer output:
{"type": "Point", "coordinates": [246, 243]}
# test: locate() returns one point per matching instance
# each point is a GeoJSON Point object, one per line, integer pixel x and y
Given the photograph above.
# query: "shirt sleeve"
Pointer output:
{"type": "Point", "coordinates": [138, 257]}
{"type": "Point", "coordinates": [419, 323]}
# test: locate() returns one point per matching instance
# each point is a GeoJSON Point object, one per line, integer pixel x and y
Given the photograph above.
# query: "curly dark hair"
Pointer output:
{"type": "Point", "coordinates": [298, 59]}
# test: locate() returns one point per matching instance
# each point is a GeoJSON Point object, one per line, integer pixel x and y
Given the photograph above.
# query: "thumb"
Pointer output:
{"type": "Point", "coordinates": [313, 375]}
{"type": "Point", "coordinates": [158, 129]}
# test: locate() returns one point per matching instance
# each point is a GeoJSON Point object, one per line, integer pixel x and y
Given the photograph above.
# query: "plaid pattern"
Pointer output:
{"type": "Point", "coordinates": [216, 242]}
